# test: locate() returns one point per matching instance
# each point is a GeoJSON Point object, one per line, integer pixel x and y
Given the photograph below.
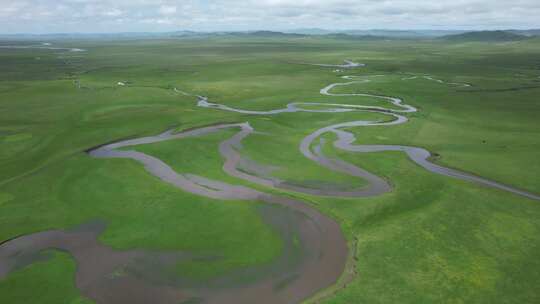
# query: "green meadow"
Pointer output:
{"type": "Point", "coordinates": [433, 239]}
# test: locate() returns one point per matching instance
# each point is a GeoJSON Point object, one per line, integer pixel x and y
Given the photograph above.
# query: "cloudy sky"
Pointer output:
{"type": "Point", "coordinates": [46, 16]}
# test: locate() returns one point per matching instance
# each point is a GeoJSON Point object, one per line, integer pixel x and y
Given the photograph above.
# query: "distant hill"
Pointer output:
{"type": "Point", "coordinates": [405, 34]}
{"type": "Point", "coordinates": [271, 34]}
{"type": "Point", "coordinates": [310, 31]}
{"type": "Point", "coordinates": [100, 36]}
{"type": "Point", "coordinates": [486, 36]}
{"type": "Point", "coordinates": [152, 35]}
{"type": "Point", "coordinates": [366, 35]}
{"type": "Point", "coordinates": [255, 34]}
{"type": "Point", "coordinates": [355, 37]}
{"type": "Point", "coordinates": [532, 32]}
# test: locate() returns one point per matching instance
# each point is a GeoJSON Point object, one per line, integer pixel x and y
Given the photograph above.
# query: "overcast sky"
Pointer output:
{"type": "Point", "coordinates": [48, 16]}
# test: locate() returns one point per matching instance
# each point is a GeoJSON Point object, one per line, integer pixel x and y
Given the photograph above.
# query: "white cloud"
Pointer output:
{"type": "Point", "coordinates": [157, 21]}
{"type": "Point", "coordinates": [11, 8]}
{"type": "Point", "coordinates": [167, 10]}
{"type": "Point", "coordinates": [113, 12]}
{"type": "Point", "coordinates": [138, 15]}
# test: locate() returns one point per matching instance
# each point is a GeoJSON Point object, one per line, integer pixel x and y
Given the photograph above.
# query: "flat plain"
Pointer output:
{"type": "Point", "coordinates": [432, 238]}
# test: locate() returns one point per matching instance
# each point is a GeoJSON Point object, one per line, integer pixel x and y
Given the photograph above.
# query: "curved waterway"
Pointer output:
{"type": "Point", "coordinates": [315, 251]}
{"type": "Point", "coordinates": [345, 140]}
{"type": "Point", "coordinates": [427, 77]}
{"type": "Point", "coordinates": [347, 64]}
{"type": "Point", "coordinates": [313, 257]}
{"type": "Point", "coordinates": [42, 46]}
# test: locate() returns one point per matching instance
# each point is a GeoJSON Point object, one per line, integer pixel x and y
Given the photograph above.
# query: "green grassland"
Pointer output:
{"type": "Point", "coordinates": [432, 240]}
{"type": "Point", "coordinates": [50, 280]}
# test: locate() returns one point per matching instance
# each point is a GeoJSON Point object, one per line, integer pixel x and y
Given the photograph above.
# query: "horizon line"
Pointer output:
{"type": "Point", "coordinates": [271, 30]}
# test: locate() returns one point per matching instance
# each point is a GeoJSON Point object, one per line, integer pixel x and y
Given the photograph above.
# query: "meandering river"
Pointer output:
{"type": "Point", "coordinates": [315, 250]}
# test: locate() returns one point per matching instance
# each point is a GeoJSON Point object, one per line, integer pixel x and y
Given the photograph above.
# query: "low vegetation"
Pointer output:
{"type": "Point", "coordinates": [432, 239]}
